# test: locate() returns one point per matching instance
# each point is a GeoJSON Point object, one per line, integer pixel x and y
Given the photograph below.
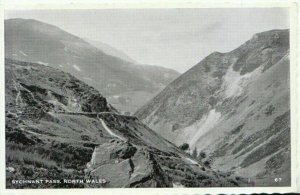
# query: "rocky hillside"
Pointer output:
{"type": "Point", "coordinates": [126, 85]}
{"type": "Point", "coordinates": [235, 106]}
{"type": "Point", "coordinates": [58, 127]}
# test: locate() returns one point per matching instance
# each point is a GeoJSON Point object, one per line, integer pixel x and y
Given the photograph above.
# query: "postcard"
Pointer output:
{"type": "Point", "coordinates": [199, 96]}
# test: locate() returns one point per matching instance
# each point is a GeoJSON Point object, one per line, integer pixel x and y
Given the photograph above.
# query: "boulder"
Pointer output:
{"type": "Point", "coordinates": [124, 165]}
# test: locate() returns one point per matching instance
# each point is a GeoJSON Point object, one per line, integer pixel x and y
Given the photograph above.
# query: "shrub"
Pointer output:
{"type": "Point", "coordinates": [269, 110]}
{"type": "Point", "coordinates": [85, 138]}
{"type": "Point", "coordinates": [202, 155]}
{"type": "Point", "coordinates": [207, 163]}
{"type": "Point", "coordinates": [184, 146]}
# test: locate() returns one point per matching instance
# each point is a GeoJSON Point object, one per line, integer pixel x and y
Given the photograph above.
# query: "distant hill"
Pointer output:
{"type": "Point", "coordinates": [109, 50]}
{"type": "Point", "coordinates": [235, 106]}
{"type": "Point", "coordinates": [122, 82]}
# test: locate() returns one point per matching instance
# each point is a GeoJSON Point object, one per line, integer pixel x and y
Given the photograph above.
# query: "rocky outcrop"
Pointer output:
{"type": "Point", "coordinates": [37, 86]}
{"type": "Point", "coordinates": [123, 165]}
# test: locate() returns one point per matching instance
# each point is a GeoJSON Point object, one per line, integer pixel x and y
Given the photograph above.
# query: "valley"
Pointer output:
{"type": "Point", "coordinates": [126, 85]}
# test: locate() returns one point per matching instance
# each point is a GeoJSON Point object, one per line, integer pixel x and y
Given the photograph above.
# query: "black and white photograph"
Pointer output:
{"type": "Point", "coordinates": [147, 98]}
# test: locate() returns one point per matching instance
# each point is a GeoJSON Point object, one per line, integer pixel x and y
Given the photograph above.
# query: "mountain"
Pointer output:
{"type": "Point", "coordinates": [61, 130]}
{"type": "Point", "coordinates": [126, 85]}
{"type": "Point", "coordinates": [109, 50]}
{"type": "Point", "coordinates": [235, 106]}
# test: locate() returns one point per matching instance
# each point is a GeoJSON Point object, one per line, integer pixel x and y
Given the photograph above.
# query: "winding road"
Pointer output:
{"type": "Point", "coordinates": [110, 131]}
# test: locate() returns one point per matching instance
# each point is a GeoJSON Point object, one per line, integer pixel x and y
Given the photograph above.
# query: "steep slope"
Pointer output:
{"type": "Point", "coordinates": [62, 131]}
{"type": "Point", "coordinates": [235, 107]}
{"type": "Point", "coordinates": [109, 50]}
{"type": "Point", "coordinates": [121, 81]}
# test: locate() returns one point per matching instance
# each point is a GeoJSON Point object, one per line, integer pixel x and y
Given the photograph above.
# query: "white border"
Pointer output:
{"type": "Point", "coordinates": [155, 4]}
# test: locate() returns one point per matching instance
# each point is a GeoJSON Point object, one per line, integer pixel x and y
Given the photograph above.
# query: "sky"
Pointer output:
{"type": "Point", "coordinates": [172, 38]}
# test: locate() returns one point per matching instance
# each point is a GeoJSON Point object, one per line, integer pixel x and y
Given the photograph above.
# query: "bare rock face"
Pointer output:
{"type": "Point", "coordinates": [123, 165]}
{"type": "Point", "coordinates": [95, 103]}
